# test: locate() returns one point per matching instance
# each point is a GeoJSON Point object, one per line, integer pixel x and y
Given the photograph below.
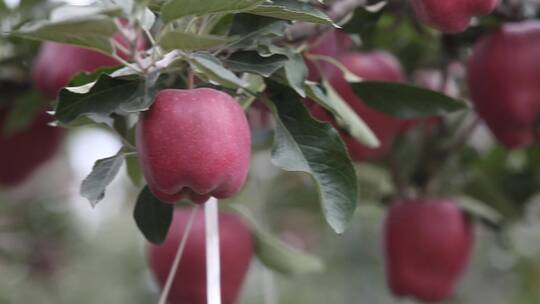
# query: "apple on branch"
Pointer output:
{"type": "Point", "coordinates": [194, 144]}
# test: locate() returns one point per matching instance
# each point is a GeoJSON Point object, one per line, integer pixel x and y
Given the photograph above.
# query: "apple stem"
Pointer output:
{"type": "Point", "coordinates": [213, 287]}
{"type": "Point", "coordinates": [176, 262]}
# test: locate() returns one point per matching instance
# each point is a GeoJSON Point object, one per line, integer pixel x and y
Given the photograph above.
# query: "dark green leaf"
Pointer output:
{"type": "Point", "coordinates": [174, 9]}
{"type": "Point", "coordinates": [296, 73]}
{"type": "Point", "coordinates": [304, 144]}
{"type": "Point", "coordinates": [252, 62]}
{"type": "Point", "coordinates": [252, 29]}
{"type": "Point", "coordinates": [104, 171]}
{"type": "Point", "coordinates": [152, 216]}
{"type": "Point", "coordinates": [143, 98]}
{"type": "Point", "coordinates": [292, 10]}
{"type": "Point", "coordinates": [104, 97]}
{"type": "Point", "coordinates": [211, 68]}
{"type": "Point", "coordinates": [405, 101]}
{"type": "Point", "coordinates": [87, 77]}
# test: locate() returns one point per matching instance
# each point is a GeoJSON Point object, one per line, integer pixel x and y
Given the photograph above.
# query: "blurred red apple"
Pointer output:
{"type": "Point", "coordinates": [452, 16]}
{"type": "Point", "coordinates": [22, 152]}
{"type": "Point", "coordinates": [332, 44]}
{"type": "Point", "coordinates": [503, 76]}
{"type": "Point", "coordinates": [376, 65]}
{"type": "Point", "coordinates": [428, 243]}
{"type": "Point", "coordinates": [189, 285]}
{"type": "Point", "coordinates": [194, 144]}
{"type": "Point", "coordinates": [57, 63]}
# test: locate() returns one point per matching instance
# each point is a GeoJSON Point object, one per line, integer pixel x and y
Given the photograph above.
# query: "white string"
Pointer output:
{"type": "Point", "coordinates": [213, 284]}
{"type": "Point", "coordinates": [269, 288]}
{"type": "Point", "coordinates": [176, 262]}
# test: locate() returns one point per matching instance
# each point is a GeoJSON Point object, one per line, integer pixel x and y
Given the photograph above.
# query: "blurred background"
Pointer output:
{"type": "Point", "coordinates": [56, 248]}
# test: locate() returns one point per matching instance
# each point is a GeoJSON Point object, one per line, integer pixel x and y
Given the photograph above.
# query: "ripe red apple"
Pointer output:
{"type": "Point", "coordinates": [24, 151]}
{"type": "Point", "coordinates": [332, 44]}
{"type": "Point", "coordinates": [57, 63]}
{"type": "Point", "coordinates": [503, 76]}
{"type": "Point", "coordinates": [194, 144]}
{"type": "Point", "coordinates": [428, 243]}
{"type": "Point", "coordinates": [189, 285]}
{"type": "Point", "coordinates": [376, 65]}
{"type": "Point", "coordinates": [452, 16]}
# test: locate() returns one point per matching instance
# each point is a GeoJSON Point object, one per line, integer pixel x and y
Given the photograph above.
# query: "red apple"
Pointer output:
{"type": "Point", "coordinates": [428, 243]}
{"type": "Point", "coordinates": [189, 285]}
{"type": "Point", "coordinates": [376, 65]}
{"type": "Point", "coordinates": [332, 44]}
{"type": "Point", "coordinates": [24, 151]}
{"type": "Point", "coordinates": [503, 76]}
{"type": "Point", "coordinates": [452, 16]}
{"type": "Point", "coordinates": [194, 144]}
{"type": "Point", "coordinates": [57, 63]}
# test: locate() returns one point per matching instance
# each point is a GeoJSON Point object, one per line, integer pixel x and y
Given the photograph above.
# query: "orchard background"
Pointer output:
{"type": "Point", "coordinates": [428, 109]}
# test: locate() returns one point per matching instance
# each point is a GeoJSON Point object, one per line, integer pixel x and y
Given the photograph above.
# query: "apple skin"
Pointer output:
{"type": "Point", "coordinates": [57, 63]}
{"type": "Point", "coordinates": [22, 152]}
{"type": "Point", "coordinates": [194, 144]}
{"type": "Point", "coordinates": [332, 44]}
{"type": "Point", "coordinates": [189, 285]}
{"type": "Point", "coordinates": [428, 243]}
{"type": "Point", "coordinates": [503, 75]}
{"type": "Point", "coordinates": [377, 65]}
{"type": "Point", "coordinates": [452, 16]}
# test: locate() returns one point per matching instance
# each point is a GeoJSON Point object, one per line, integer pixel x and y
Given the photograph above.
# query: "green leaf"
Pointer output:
{"type": "Point", "coordinates": [23, 112]}
{"type": "Point", "coordinates": [174, 9]}
{"type": "Point", "coordinates": [103, 97]}
{"type": "Point", "coordinates": [210, 66]}
{"type": "Point", "coordinates": [90, 32]}
{"type": "Point", "coordinates": [152, 216]}
{"type": "Point", "coordinates": [405, 101]}
{"type": "Point", "coordinates": [143, 97]}
{"type": "Point", "coordinates": [171, 40]}
{"type": "Point", "coordinates": [84, 78]}
{"type": "Point", "coordinates": [295, 69]}
{"type": "Point", "coordinates": [296, 73]}
{"type": "Point", "coordinates": [345, 115]}
{"type": "Point", "coordinates": [479, 209]}
{"type": "Point", "coordinates": [253, 30]}
{"type": "Point", "coordinates": [252, 62]}
{"type": "Point", "coordinates": [304, 144]}
{"type": "Point", "coordinates": [104, 171]}
{"type": "Point", "coordinates": [292, 10]}
{"type": "Point", "coordinates": [277, 255]}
